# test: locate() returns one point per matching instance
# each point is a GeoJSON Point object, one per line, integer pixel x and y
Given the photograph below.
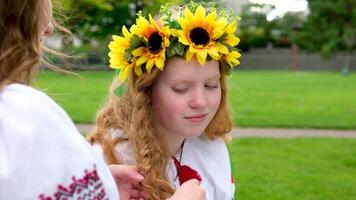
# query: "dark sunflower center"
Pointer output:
{"type": "Point", "coordinates": [199, 36]}
{"type": "Point", "coordinates": [155, 42]}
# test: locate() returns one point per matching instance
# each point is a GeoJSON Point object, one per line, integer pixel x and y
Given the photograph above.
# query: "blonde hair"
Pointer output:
{"type": "Point", "coordinates": [20, 48]}
{"type": "Point", "coordinates": [132, 114]}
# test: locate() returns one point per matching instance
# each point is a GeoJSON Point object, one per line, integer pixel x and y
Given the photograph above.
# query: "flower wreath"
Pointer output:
{"type": "Point", "coordinates": [148, 42]}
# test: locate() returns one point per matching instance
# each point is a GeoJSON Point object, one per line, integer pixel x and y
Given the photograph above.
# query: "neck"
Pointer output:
{"type": "Point", "coordinates": [174, 144]}
{"type": "Point", "coordinates": [174, 141]}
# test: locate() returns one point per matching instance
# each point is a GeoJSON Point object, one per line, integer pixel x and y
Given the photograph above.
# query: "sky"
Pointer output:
{"type": "Point", "coordinates": [283, 6]}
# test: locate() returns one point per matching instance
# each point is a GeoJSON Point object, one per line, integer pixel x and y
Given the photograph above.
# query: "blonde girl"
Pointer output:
{"type": "Point", "coordinates": [172, 118]}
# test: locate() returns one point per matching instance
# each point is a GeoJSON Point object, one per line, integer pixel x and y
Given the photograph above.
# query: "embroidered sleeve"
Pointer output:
{"type": "Point", "coordinates": [89, 186]}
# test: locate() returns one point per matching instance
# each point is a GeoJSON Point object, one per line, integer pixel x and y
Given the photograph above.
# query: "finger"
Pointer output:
{"type": "Point", "coordinates": [138, 194]}
{"type": "Point", "coordinates": [128, 172]}
{"type": "Point", "coordinates": [144, 195]}
{"type": "Point", "coordinates": [135, 193]}
{"type": "Point", "coordinates": [192, 182]}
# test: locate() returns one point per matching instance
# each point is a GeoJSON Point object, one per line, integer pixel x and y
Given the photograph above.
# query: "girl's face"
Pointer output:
{"type": "Point", "coordinates": [186, 97]}
{"type": "Point", "coordinates": [45, 17]}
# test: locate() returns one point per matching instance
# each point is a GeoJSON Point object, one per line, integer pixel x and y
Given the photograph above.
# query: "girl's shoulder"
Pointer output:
{"type": "Point", "coordinates": [24, 100]}
{"type": "Point", "coordinates": [49, 141]}
{"type": "Point", "coordinates": [212, 148]}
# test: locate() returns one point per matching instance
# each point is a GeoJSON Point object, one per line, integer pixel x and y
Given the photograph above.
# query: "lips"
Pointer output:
{"type": "Point", "coordinates": [196, 118]}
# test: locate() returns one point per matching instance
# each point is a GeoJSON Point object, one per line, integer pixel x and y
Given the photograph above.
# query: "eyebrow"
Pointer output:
{"type": "Point", "coordinates": [190, 81]}
{"type": "Point", "coordinates": [213, 77]}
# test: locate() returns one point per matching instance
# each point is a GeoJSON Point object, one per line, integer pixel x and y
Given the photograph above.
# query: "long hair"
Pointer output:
{"type": "Point", "coordinates": [132, 114]}
{"type": "Point", "coordinates": [20, 49]}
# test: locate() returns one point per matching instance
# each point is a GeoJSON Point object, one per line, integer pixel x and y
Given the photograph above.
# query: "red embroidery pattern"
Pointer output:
{"type": "Point", "coordinates": [88, 187]}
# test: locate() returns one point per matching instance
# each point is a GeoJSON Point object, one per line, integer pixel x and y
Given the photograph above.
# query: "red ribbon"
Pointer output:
{"type": "Point", "coordinates": [185, 173]}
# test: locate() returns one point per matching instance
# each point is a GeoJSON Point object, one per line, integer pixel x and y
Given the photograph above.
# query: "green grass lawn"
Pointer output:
{"type": "Point", "coordinates": [80, 95]}
{"type": "Point", "coordinates": [299, 99]}
{"type": "Point", "coordinates": [257, 98]}
{"type": "Point", "coordinates": [294, 169]}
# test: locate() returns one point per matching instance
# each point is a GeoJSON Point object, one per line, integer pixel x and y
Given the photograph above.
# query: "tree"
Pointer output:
{"type": "Point", "coordinates": [330, 28]}
{"type": "Point", "coordinates": [254, 26]}
{"type": "Point", "coordinates": [101, 18]}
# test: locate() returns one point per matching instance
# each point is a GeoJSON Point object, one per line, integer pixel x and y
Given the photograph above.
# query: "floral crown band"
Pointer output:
{"type": "Point", "coordinates": [148, 43]}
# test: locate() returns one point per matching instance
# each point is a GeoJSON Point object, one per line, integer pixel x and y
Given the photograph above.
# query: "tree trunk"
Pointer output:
{"type": "Point", "coordinates": [295, 57]}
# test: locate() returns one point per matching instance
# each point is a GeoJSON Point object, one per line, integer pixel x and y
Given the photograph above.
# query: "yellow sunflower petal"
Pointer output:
{"type": "Point", "coordinates": [221, 22]}
{"type": "Point", "coordinates": [217, 33]}
{"type": "Point", "coordinates": [125, 32]}
{"type": "Point", "coordinates": [189, 55]}
{"type": "Point", "coordinates": [124, 73]}
{"type": "Point", "coordinates": [235, 54]}
{"type": "Point", "coordinates": [115, 37]}
{"type": "Point", "coordinates": [160, 62]}
{"type": "Point", "coordinates": [138, 70]}
{"type": "Point", "coordinates": [149, 65]}
{"type": "Point", "coordinates": [231, 28]}
{"type": "Point", "coordinates": [221, 48]}
{"type": "Point", "coordinates": [141, 60]}
{"type": "Point", "coordinates": [142, 22]}
{"type": "Point", "coordinates": [213, 53]}
{"type": "Point", "coordinates": [202, 53]}
{"type": "Point", "coordinates": [153, 22]}
{"type": "Point", "coordinates": [166, 42]}
{"type": "Point", "coordinates": [211, 16]}
{"type": "Point", "coordinates": [232, 58]}
{"type": "Point", "coordinates": [188, 14]}
{"type": "Point", "coordinates": [134, 29]}
{"type": "Point", "coordinates": [200, 59]}
{"type": "Point", "coordinates": [139, 51]}
{"type": "Point", "coordinates": [183, 40]}
{"type": "Point", "coordinates": [200, 13]}
{"type": "Point", "coordinates": [183, 23]}
{"type": "Point", "coordinates": [232, 40]}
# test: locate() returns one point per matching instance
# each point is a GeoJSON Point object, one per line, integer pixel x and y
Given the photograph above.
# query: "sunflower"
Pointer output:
{"type": "Point", "coordinates": [156, 39]}
{"type": "Point", "coordinates": [229, 39]}
{"type": "Point", "coordinates": [201, 33]}
{"type": "Point", "coordinates": [118, 60]}
{"type": "Point", "coordinates": [231, 58]}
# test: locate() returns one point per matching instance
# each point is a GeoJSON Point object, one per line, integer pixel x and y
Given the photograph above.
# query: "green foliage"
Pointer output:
{"type": "Point", "coordinates": [254, 26]}
{"type": "Point", "coordinates": [176, 48]}
{"type": "Point", "coordinates": [102, 18]}
{"type": "Point", "coordinates": [257, 31]}
{"type": "Point", "coordinates": [330, 27]}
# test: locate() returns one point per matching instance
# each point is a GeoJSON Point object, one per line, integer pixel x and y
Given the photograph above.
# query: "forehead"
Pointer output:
{"type": "Point", "coordinates": [178, 69]}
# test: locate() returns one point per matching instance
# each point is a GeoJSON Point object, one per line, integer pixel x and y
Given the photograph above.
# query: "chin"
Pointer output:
{"type": "Point", "coordinates": [193, 133]}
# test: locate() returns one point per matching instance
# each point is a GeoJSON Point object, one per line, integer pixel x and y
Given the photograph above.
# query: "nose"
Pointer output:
{"type": "Point", "coordinates": [49, 29]}
{"type": "Point", "coordinates": [198, 100]}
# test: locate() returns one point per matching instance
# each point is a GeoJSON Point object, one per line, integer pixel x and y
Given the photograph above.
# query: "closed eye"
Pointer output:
{"type": "Point", "coordinates": [212, 86]}
{"type": "Point", "coordinates": [180, 90]}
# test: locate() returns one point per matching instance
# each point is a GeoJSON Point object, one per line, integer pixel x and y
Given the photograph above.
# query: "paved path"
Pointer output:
{"type": "Point", "coordinates": [271, 132]}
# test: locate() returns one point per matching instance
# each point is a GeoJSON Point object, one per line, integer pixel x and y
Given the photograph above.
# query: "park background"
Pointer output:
{"type": "Point", "coordinates": [297, 73]}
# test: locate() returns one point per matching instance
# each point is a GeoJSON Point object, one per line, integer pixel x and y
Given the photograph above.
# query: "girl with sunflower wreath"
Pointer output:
{"type": "Point", "coordinates": [172, 119]}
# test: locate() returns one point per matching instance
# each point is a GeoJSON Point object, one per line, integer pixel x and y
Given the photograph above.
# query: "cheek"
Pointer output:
{"type": "Point", "coordinates": [215, 101]}
{"type": "Point", "coordinates": [168, 107]}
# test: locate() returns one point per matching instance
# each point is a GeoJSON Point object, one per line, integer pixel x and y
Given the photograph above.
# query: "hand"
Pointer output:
{"type": "Point", "coordinates": [190, 190]}
{"type": "Point", "coordinates": [127, 181]}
